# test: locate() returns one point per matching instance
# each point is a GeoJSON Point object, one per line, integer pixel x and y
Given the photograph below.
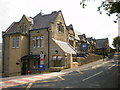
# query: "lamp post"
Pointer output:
{"type": "Point", "coordinates": [118, 24]}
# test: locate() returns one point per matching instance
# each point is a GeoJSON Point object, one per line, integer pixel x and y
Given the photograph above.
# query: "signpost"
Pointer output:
{"type": "Point", "coordinates": [42, 59]}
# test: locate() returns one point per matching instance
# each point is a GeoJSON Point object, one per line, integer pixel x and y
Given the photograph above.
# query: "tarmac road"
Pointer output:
{"type": "Point", "coordinates": [103, 75]}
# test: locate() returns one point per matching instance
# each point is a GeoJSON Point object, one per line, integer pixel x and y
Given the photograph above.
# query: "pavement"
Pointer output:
{"type": "Point", "coordinates": [25, 79]}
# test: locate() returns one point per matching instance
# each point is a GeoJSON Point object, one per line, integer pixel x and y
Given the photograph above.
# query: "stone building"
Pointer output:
{"type": "Point", "coordinates": [92, 44]}
{"type": "Point", "coordinates": [84, 44]}
{"type": "Point", "coordinates": [102, 46]}
{"type": "Point", "coordinates": [37, 43]}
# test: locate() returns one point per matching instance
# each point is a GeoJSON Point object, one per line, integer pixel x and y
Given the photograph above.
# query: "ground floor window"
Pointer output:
{"type": "Point", "coordinates": [57, 61]}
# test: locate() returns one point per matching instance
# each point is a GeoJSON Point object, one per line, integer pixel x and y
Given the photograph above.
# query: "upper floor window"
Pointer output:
{"type": "Point", "coordinates": [60, 27]}
{"type": "Point", "coordinates": [23, 28]}
{"type": "Point", "coordinates": [38, 42]}
{"type": "Point", "coordinates": [15, 42]}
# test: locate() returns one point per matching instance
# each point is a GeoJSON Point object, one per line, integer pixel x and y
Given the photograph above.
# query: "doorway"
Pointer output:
{"type": "Point", "coordinates": [24, 67]}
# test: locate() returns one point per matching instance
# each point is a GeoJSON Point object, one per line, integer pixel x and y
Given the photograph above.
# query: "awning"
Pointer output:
{"type": "Point", "coordinates": [28, 57]}
{"type": "Point", "coordinates": [65, 47]}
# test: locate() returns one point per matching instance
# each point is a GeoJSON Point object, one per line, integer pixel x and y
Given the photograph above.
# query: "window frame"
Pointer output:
{"type": "Point", "coordinates": [38, 42]}
{"type": "Point", "coordinates": [15, 42]}
{"type": "Point", "coordinates": [60, 27]}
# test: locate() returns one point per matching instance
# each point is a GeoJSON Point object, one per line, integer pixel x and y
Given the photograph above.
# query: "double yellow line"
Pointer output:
{"type": "Point", "coordinates": [60, 77]}
{"type": "Point", "coordinates": [29, 86]}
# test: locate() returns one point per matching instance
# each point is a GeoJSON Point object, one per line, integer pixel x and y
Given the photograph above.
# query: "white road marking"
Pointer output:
{"type": "Point", "coordinates": [18, 81]}
{"type": "Point", "coordinates": [92, 76]}
{"type": "Point", "coordinates": [97, 66]}
{"type": "Point", "coordinates": [30, 79]}
{"type": "Point", "coordinates": [38, 76]}
{"type": "Point", "coordinates": [112, 66]}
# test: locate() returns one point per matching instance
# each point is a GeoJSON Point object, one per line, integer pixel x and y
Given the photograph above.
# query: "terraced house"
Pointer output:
{"type": "Point", "coordinates": [38, 43]}
{"type": "Point", "coordinates": [102, 46]}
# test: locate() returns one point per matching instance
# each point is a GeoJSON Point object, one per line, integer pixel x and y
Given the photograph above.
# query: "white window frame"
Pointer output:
{"type": "Point", "coordinates": [59, 57]}
{"type": "Point", "coordinates": [42, 41]}
{"type": "Point", "coordinates": [15, 42]}
{"type": "Point", "coordinates": [54, 58]}
{"type": "Point", "coordinates": [38, 42]}
{"type": "Point", "coordinates": [34, 42]}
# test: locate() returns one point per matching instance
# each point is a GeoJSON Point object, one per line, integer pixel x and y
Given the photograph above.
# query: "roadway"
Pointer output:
{"type": "Point", "coordinates": [103, 75]}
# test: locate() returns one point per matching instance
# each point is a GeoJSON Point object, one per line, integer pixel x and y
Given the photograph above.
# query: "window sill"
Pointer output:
{"type": "Point", "coordinates": [15, 47]}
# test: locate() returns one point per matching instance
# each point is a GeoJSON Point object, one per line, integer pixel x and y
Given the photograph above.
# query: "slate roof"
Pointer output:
{"type": "Point", "coordinates": [70, 27]}
{"type": "Point", "coordinates": [89, 39]}
{"type": "Point", "coordinates": [65, 46]}
{"type": "Point", "coordinates": [101, 42]}
{"type": "Point", "coordinates": [13, 28]}
{"type": "Point", "coordinates": [39, 21]}
{"type": "Point", "coordinates": [81, 36]}
{"type": "Point", "coordinates": [43, 21]}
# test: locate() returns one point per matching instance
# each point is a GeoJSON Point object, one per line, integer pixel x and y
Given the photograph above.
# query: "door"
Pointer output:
{"type": "Point", "coordinates": [24, 68]}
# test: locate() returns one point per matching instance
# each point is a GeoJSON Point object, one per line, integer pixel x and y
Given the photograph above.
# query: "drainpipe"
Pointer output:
{"type": "Point", "coordinates": [29, 42]}
{"type": "Point", "coordinates": [29, 49]}
{"type": "Point", "coordinates": [48, 47]}
{"type": "Point", "coordinates": [3, 50]}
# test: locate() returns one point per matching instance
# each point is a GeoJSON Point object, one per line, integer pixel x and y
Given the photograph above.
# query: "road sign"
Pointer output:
{"type": "Point", "coordinates": [84, 46]}
{"type": "Point", "coordinates": [41, 67]}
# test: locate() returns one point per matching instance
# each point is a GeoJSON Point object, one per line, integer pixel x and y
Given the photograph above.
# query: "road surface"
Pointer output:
{"type": "Point", "coordinates": [103, 75]}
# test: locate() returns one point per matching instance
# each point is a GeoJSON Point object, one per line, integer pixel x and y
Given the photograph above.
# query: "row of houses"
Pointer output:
{"type": "Point", "coordinates": [44, 42]}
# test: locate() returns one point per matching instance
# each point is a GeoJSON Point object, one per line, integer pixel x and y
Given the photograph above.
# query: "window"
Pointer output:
{"type": "Point", "coordinates": [23, 28]}
{"type": "Point", "coordinates": [42, 42]}
{"type": "Point", "coordinates": [38, 42]}
{"type": "Point", "coordinates": [34, 42]}
{"type": "Point", "coordinates": [54, 57]}
{"type": "Point", "coordinates": [60, 27]}
{"type": "Point", "coordinates": [15, 42]}
{"type": "Point", "coordinates": [59, 57]}
{"type": "Point", "coordinates": [57, 61]}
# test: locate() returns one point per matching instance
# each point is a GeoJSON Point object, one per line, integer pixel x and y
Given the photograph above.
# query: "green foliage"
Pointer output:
{"type": "Point", "coordinates": [116, 41]}
{"type": "Point", "coordinates": [110, 7]}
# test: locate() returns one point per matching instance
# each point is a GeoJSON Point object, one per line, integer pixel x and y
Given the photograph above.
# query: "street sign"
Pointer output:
{"type": "Point", "coordinates": [41, 67]}
{"type": "Point", "coordinates": [84, 46]}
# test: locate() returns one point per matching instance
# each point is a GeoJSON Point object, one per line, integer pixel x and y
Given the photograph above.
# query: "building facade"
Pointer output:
{"type": "Point", "coordinates": [102, 46]}
{"type": "Point", "coordinates": [92, 45]}
{"type": "Point", "coordinates": [32, 43]}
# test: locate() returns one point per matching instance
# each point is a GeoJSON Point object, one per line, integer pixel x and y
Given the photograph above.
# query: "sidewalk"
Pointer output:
{"type": "Point", "coordinates": [19, 80]}
{"type": "Point", "coordinates": [85, 66]}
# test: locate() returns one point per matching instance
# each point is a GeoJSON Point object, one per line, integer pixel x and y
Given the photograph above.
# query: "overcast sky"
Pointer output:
{"type": "Point", "coordinates": [87, 20]}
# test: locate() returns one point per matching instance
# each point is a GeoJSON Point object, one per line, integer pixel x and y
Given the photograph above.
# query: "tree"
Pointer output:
{"type": "Point", "coordinates": [116, 42]}
{"type": "Point", "coordinates": [110, 7]}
